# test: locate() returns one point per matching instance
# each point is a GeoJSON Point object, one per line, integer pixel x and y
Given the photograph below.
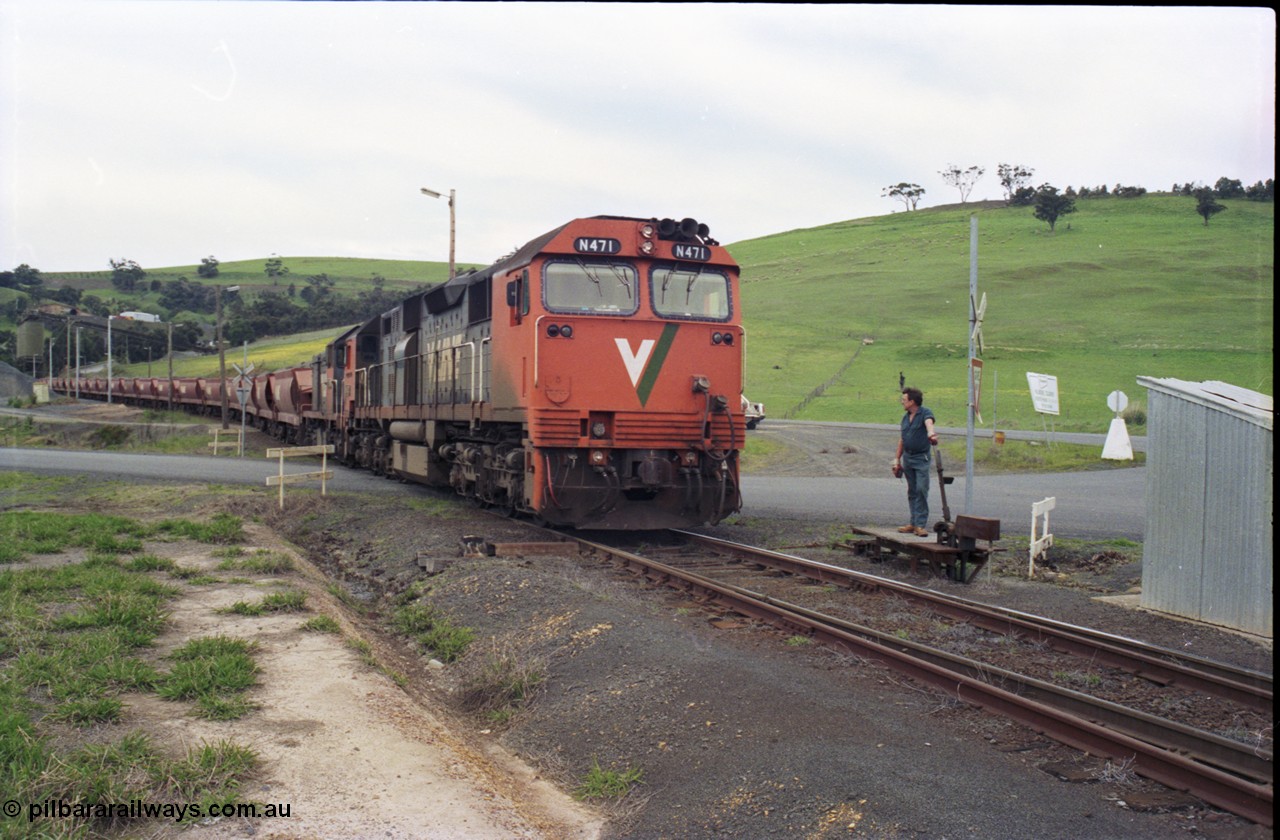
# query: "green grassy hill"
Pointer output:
{"type": "Point", "coordinates": [1123, 288]}
{"type": "Point", "coordinates": [348, 275]}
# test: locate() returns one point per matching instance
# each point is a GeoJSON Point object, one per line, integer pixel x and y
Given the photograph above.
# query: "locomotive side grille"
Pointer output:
{"type": "Point", "coordinates": [659, 430]}
{"type": "Point", "coordinates": [636, 430]}
{"type": "Point", "coordinates": [554, 428]}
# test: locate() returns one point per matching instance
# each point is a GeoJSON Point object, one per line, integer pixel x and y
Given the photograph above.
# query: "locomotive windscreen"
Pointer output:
{"type": "Point", "coordinates": [691, 293]}
{"type": "Point", "coordinates": [588, 286]}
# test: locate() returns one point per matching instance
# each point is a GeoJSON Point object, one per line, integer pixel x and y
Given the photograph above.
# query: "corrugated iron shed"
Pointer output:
{"type": "Point", "coordinates": [1207, 553]}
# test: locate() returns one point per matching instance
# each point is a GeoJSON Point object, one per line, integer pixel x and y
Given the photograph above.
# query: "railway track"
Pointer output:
{"type": "Point", "coordinates": [1226, 773]}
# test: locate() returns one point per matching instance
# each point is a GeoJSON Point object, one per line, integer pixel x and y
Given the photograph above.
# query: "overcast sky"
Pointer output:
{"type": "Point", "coordinates": [165, 132]}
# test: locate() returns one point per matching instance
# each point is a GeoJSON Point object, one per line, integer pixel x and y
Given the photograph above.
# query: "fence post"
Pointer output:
{"type": "Point", "coordinates": [281, 479]}
{"type": "Point", "coordinates": [218, 443]}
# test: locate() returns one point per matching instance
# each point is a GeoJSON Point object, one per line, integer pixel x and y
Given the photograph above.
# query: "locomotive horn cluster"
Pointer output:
{"type": "Point", "coordinates": [685, 230]}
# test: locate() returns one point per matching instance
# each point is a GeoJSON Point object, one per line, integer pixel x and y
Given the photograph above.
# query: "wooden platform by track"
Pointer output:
{"type": "Point", "coordinates": [955, 563]}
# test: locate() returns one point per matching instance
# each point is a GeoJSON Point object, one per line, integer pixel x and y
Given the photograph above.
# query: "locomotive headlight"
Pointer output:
{"type": "Point", "coordinates": [647, 230]}
{"type": "Point", "coordinates": [689, 458]}
{"type": "Point", "coordinates": [552, 330]}
{"type": "Point", "coordinates": [566, 331]}
{"type": "Point", "coordinates": [598, 458]}
{"type": "Point", "coordinates": [646, 247]}
{"type": "Point", "coordinates": [598, 429]}
{"type": "Point", "coordinates": [716, 338]}
{"type": "Point", "coordinates": [728, 339]}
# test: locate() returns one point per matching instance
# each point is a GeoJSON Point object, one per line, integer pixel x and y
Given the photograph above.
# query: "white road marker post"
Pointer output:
{"type": "Point", "coordinates": [1040, 545]}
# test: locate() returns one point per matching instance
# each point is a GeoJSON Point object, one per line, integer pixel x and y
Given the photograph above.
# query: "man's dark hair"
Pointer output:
{"type": "Point", "coordinates": [914, 395]}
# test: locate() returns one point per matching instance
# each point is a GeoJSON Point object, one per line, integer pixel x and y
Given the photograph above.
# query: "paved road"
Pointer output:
{"type": "Point", "coordinates": [1101, 504]}
{"type": "Point", "coordinates": [1106, 504]}
{"type": "Point", "coordinates": [1138, 442]}
{"type": "Point", "coordinates": [1095, 505]}
{"type": "Point", "coordinates": [126, 466]}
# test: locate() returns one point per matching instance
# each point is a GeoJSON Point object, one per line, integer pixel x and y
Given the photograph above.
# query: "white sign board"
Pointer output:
{"type": "Point", "coordinates": [1117, 401]}
{"type": "Point", "coordinates": [1044, 392]}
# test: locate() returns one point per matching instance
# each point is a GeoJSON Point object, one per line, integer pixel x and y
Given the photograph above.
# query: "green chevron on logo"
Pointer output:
{"type": "Point", "coordinates": [643, 366]}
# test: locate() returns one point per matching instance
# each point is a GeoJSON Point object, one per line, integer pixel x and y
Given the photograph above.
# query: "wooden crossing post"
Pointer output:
{"type": "Point", "coordinates": [282, 479]}
{"type": "Point", "coordinates": [237, 440]}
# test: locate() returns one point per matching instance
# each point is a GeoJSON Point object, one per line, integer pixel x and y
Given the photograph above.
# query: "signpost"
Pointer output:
{"type": "Point", "coordinates": [244, 385]}
{"type": "Point", "coordinates": [1044, 395]}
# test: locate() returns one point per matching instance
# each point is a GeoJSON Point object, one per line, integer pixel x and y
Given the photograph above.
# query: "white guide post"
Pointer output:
{"type": "Point", "coordinates": [1040, 544]}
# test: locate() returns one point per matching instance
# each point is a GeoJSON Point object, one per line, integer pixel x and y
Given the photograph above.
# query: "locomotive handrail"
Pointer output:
{"type": "Point", "coordinates": [478, 367]}
{"type": "Point", "coordinates": [537, 331]}
{"type": "Point", "coordinates": [471, 375]}
{"type": "Point", "coordinates": [475, 378]}
{"type": "Point", "coordinates": [362, 387]}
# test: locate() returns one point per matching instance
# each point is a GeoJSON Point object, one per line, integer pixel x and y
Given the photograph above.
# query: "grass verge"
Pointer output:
{"type": "Point", "coordinates": [72, 644]}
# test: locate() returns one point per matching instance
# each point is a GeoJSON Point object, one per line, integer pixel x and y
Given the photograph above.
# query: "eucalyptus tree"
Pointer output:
{"type": "Point", "coordinates": [962, 179]}
{"type": "Point", "coordinates": [908, 194]}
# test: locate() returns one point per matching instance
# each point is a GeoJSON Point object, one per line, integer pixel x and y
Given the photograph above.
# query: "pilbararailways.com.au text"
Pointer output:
{"type": "Point", "coordinates": [137, 809]}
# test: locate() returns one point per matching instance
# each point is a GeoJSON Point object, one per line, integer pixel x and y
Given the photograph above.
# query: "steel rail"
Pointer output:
{"type": "Point", "coordinates": [1251, 689]}
{"type": "Point", "coordinates": [1240, 796]}
{"type": "Point", "coordinates": [1203, 746]}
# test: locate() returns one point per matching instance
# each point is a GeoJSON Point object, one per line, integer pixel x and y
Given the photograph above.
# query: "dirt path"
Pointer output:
{"type": "Point", "coordinates": [348, 751]}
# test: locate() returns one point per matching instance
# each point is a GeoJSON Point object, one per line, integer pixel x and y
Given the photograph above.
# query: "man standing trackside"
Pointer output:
{"type": "Point", "coordinates": [913, 458]}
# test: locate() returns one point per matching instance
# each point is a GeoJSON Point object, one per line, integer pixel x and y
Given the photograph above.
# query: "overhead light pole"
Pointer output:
{"type": "Point", "coordinates": [222, 355]}
{"type": "Point", "coordinates": [452, 222]}
{"type": "Point", "coordinates": [109, 317]}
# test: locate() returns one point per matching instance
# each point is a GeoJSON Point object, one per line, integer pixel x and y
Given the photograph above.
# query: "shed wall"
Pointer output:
{"type": "Point", "coordinates": [1208, 549]}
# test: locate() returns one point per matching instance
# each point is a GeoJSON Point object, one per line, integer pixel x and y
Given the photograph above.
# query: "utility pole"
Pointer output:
{"type": "Point", "coordinates": [108, 359]}
{"type": "Point", "coordinates": [977, 311]}
{"type": "Point", "coordinates": [222, 355]}
{"type": "Point", "coordinates": [170, 365]}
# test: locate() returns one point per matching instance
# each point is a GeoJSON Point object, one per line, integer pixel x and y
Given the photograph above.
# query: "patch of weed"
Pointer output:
{"type": "Point", "coordinates": [212, 670]}
{"type": "Point", "coordinates": [290, 600]}
{"type": "Point", "coordinates": [42, 532]}
{"type": "Point", "coordinates": [503, 682]}
{"type": "Point", "coordinates": [600, 783]}
{"type": "Point", "coordinates": [263, 562]}
{"type": "Point", "coordinates": [221, 529]}
{"type": "Point", "coordinates": [434, 631]}
{"type": "Point", "coordinates": [321, 624]}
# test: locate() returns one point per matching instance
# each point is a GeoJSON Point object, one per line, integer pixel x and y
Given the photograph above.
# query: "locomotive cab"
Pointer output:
{"type": "Point", "coordinates": [632, 349]}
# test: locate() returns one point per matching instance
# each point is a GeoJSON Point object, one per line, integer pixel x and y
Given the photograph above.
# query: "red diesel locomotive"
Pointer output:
{"type": "Point", "coordinates": [592, 379]}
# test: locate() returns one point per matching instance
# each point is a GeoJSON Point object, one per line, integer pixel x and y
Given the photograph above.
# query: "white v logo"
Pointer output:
{"type": "Point", "coordinates": [634, 362]}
